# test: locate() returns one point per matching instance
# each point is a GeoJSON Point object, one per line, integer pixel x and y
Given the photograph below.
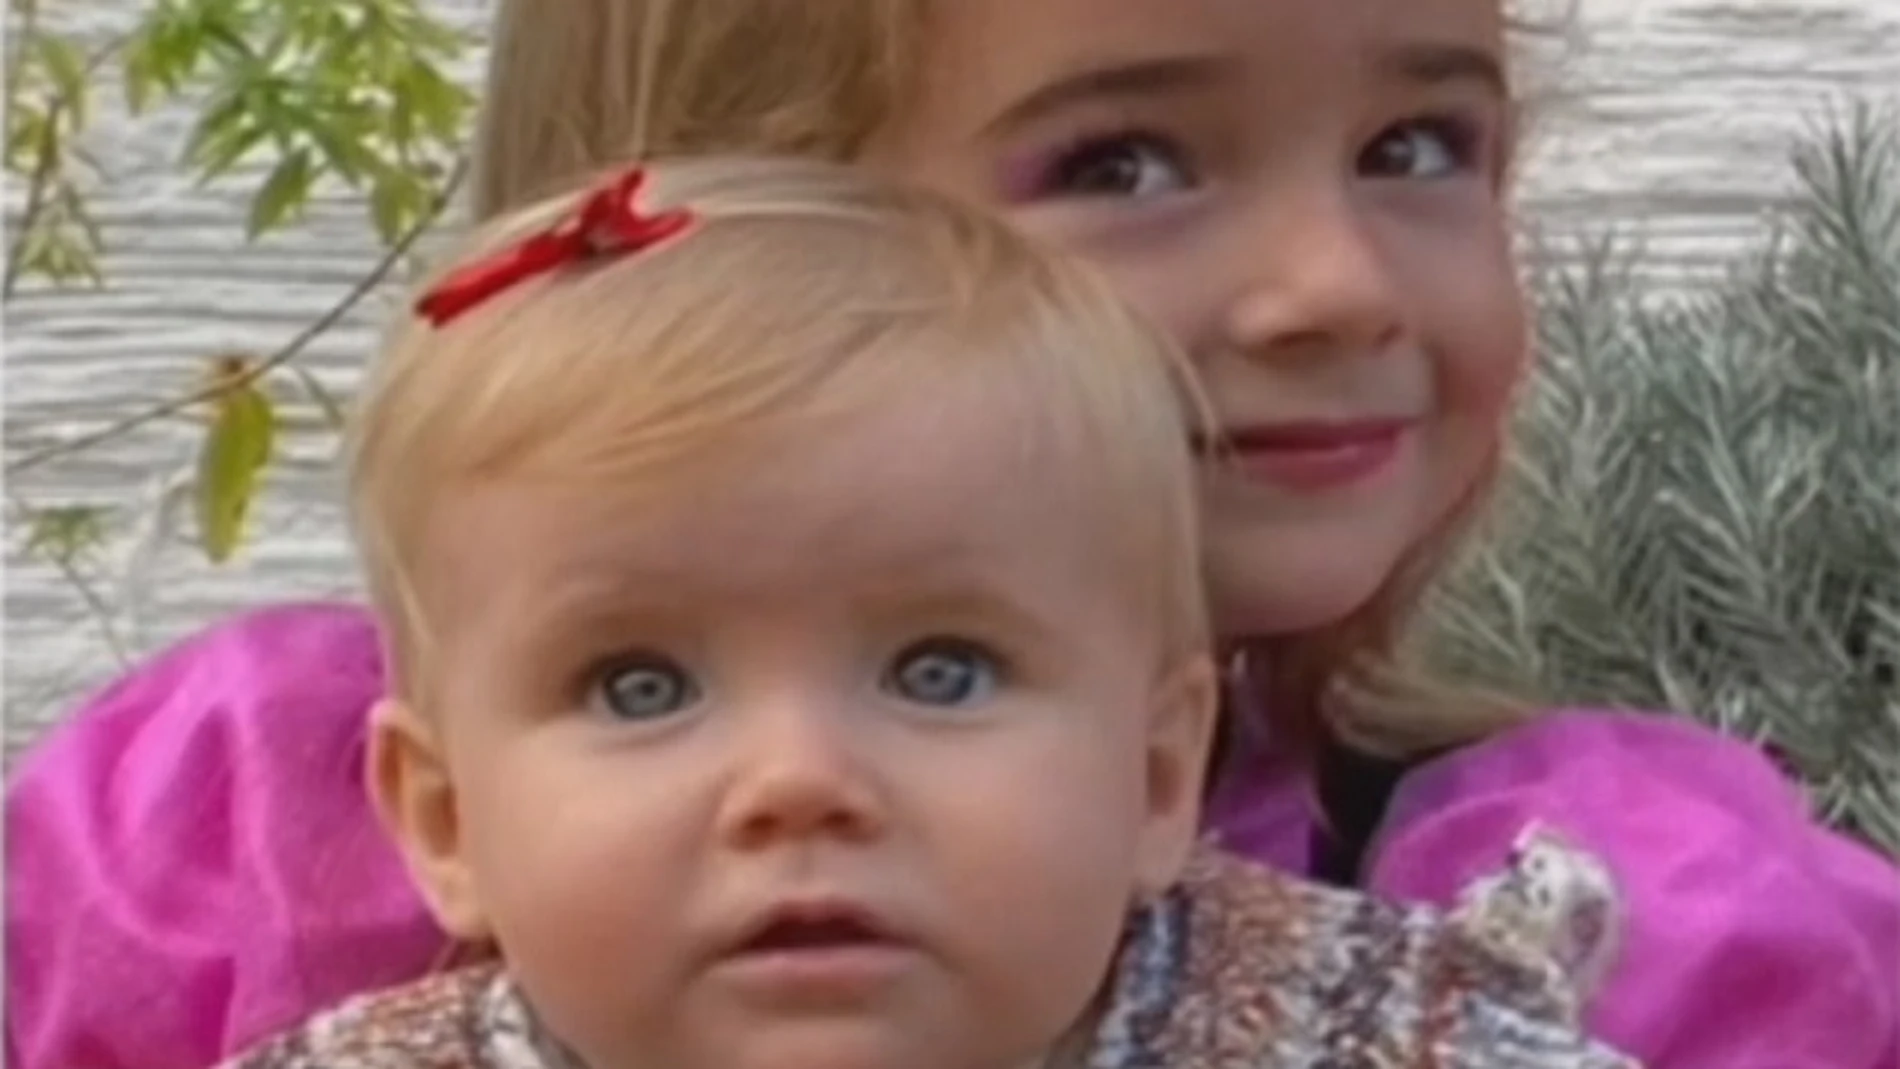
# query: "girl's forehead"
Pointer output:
{"type": "Point", "coordinates": [992, 63]}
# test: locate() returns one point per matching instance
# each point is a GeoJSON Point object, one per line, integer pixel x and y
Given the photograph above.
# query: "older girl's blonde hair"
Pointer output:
{"type": "Point", "coordinates": [801, 292]}
{"type": "Point", "coordinates": [576, 82]}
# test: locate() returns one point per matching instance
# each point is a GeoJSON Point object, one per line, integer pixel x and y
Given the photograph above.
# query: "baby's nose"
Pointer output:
{"type": "Point", "coordinates": [801, 775]}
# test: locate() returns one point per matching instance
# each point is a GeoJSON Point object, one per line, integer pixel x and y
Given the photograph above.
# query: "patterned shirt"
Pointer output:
{"type": "Point", "coordinates": [1238, 967]}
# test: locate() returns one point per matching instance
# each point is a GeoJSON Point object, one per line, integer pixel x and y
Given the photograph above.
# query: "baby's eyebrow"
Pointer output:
{"type": "Point", "coordinates": [1149, 77]}
{"type": "Point", "coordinates": [1439, 64]}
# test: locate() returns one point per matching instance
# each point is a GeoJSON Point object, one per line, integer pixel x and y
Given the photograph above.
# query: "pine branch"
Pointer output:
{"type": "Point", "coordinates": [1704, 510]}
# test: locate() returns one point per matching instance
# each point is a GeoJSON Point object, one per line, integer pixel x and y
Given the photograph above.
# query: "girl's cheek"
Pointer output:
{"type": "Point", "coordinates": [1154, 259]}
{"type": "Point", "coordinates": [1502, 365]}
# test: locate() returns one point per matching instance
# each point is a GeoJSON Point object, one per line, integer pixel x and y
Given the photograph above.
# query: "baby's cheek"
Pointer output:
{"type": "Point", "coordinates": [584, 919]}
{"type": "Point", "coordinates": [562, 859]}
{"type": "Point", "coordinates": [1040, 915]}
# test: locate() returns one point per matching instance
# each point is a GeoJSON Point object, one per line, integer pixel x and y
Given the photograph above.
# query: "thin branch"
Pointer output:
{"type": "Point", "coordinates": [290, 351]}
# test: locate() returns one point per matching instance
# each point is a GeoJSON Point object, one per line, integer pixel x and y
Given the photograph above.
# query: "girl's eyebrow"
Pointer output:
{"type": "Point", "coordinates": [1427, 63]}
{"type": "Point", "coordinates": [1151, 77]}
{"type": "Point", "coordinates": [1438, 64]}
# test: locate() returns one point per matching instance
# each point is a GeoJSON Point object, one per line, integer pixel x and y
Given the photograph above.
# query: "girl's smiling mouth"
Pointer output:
{"type": "Point", "coordinates": [1309, 456]}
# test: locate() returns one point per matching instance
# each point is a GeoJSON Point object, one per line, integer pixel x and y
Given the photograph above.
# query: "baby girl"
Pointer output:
{"type": "Point", "coordinates": [800, 658]}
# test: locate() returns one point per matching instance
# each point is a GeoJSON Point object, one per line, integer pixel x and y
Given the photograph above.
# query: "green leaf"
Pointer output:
{"type": "Point", "coordinates": [221, 38]}
{"type": "Point", "coordinates": [283, 195]}
{"type": "Point", "coordinates": [398, 203]}
{"type": "Point", "coordinates": [236, 451]}
{"type": "Point", "coordinates": [65, 533]}
{"type": "Point", "coordinates": [140, 76]}
{"type": "Point", "coordinates": [344, 153]}
{"type": "Point", "coordinates": [222, 152]}
{"type": "Point", "coordinates": [26, 136]}
{"type": "Point", "coordinates": [227, 118]}
{"type": "Point", "coordinates": [57, 251]}
{"type": "Point", "coordinates": [66, 71]}
{"type": "Point", "coordinates": [168, 45]}
{"type": "Point", "coordinates": [385, 206]}
{"type": "Point", "coordinates": [439, 103]}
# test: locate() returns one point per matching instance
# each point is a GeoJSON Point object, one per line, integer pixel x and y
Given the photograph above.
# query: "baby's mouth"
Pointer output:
{"type": "Point", "coordinates": [802, 928]}
{"type": "Point", "coordinates": [829, 956]}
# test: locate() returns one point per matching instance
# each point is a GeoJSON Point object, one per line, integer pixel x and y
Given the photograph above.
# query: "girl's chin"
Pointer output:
{"type": "Point", "coordinates": [1257, 594]}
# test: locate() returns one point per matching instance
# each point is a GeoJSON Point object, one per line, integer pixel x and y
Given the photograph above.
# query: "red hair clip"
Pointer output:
{"type": "Point", "coordinates": [608, 223]}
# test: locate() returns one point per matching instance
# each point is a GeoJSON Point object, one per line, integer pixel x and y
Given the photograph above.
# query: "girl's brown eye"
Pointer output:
{"type": "Point", "coordinates": [1426, 148]}
{"type": "Point", "coordinates": [1121, 165]}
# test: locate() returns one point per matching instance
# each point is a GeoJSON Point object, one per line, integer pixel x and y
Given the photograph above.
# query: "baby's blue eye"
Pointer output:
{"type": "Point", "coordinates": [943, 672]}
{"type": "Point", "coordinates": [646, 687]}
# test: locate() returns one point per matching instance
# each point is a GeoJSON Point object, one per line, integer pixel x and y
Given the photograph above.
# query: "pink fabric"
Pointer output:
{"type": "Point", "coordinates": [192, 864]}
{"type": "Point", "coordinates": [1754, 939]}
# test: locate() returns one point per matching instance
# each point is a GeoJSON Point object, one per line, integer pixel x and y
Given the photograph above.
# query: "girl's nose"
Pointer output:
{"type": "Point", "coordinates": [1314, 278]}
{"type": "Point", "coordinates": [800, 776]}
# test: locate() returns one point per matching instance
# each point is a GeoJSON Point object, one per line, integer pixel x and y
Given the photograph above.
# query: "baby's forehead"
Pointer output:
{"type": "Point", "coordinates": [516, 577]}
{"type": "Point", "coordinates": [955, 500]}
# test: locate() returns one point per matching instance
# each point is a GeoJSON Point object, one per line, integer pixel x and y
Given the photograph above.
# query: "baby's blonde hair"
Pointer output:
{"type": "Point", "coordinates": [577, 82]}
{"type": "Point", "coordinates": [800, 292]}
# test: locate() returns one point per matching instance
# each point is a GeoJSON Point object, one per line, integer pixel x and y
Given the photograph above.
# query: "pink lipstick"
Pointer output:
{"type": "Point", "coordinates": [1311, 456]}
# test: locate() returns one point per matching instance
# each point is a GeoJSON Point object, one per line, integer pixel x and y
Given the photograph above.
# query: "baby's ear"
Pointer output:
{"type": "Point", "coordinates": [1185, 705]}
{"type": "Point", "coordinates": [415, 797]}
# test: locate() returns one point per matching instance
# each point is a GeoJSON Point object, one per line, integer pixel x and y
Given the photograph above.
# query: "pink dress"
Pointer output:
{"type": "Point", "coordinates": [192, 865]}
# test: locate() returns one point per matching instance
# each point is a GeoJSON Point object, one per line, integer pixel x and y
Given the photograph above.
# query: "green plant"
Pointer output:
{"type": "Point", "coordinates": [312, 92]}
{"type": "Point", "coordinates": [1704, 508]}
